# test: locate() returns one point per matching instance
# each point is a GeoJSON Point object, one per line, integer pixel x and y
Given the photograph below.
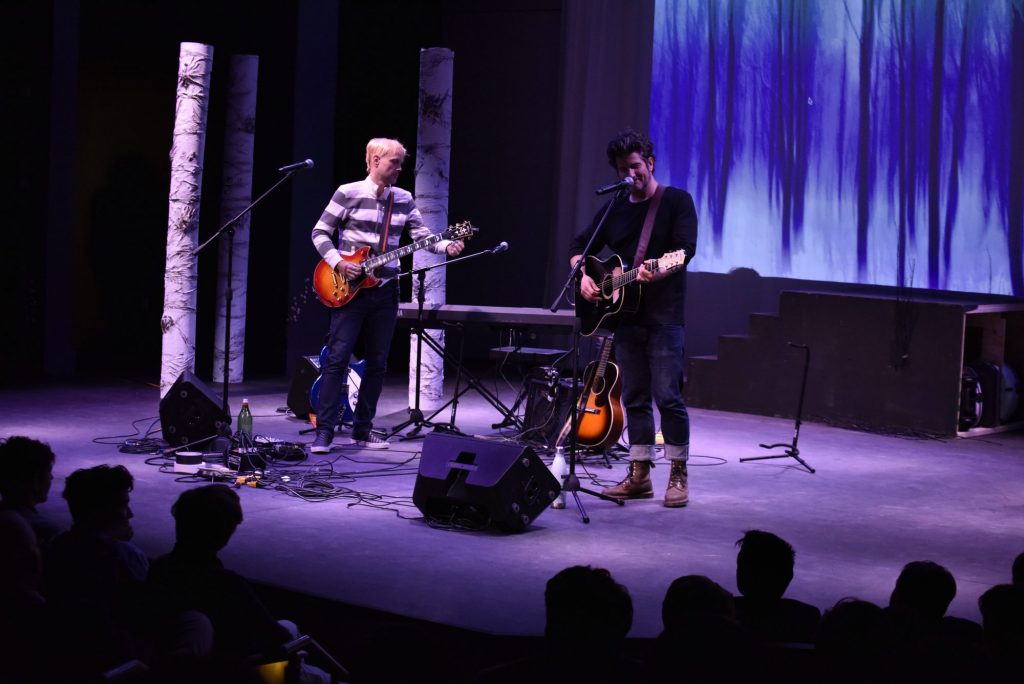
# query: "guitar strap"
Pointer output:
{"type": "Point", "coordinates": [645, 234]}
{"type": "Point", "coordinates": [382, 247]}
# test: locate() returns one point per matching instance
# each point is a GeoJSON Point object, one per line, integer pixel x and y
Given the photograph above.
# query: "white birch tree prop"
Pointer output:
{"type": "Point", "coordinates": [178, 323]}
{"type": "Point", "coordinates": [433, 152]}
{"type": "Point", "coordinates": [239, 138]}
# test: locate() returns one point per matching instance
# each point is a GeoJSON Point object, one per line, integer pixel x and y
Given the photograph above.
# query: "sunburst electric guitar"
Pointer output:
{"type": "Point", "coordinates": [616, 297]}
{"type": "Point", "coordinates": [334, 291]}
{"type": "Point", "coordinates": [599, 414]}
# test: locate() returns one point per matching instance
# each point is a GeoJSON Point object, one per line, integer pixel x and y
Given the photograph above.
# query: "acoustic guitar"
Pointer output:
{"type": "Point", "coordinates": [334, 291]}
{"type": "Point", "coordinates": [620, 294]}
{"type": "Point", "coordinates": [599, 414]}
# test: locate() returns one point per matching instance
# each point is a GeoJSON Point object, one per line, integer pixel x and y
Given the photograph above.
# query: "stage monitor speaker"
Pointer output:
{"type": "Point", "coordinates": [486, 483]}
{"type": "Point", "coordinates": [190, 412]}
{"type": "Point", "coordinates": [307, 370]}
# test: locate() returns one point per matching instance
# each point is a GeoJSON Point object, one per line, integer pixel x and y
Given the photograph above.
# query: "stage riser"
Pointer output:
{"type": "Point", "coordinates": [876, 362]}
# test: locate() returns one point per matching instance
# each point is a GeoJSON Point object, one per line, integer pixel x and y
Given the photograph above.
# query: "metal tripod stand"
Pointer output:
{"type": "Point", "coordinates": [791, 449]}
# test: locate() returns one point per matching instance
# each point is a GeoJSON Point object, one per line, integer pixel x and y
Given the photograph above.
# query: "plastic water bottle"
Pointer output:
{"type": "Point", "coordinates": [245, 419]}
{"type": "Point", "coordinates": [558, 469]}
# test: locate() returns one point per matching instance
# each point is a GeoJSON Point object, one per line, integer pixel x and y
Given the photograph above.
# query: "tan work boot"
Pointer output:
{"type": "Point", "coordinates": [678, 493]}
{"type": "Point", "coordinates": [636, 485]}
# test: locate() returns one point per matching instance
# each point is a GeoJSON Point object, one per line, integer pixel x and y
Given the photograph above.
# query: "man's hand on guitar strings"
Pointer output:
{"type": "Point", "coordinates": [348, 270]}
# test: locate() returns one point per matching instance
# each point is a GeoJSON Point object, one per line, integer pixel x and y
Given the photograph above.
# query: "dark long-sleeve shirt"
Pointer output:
{"type": "Point", "coordinates": [662, 302]}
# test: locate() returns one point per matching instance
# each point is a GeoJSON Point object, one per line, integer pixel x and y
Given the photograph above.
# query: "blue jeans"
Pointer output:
{"type": "Point", "coordinates": [373, 311]}
{"type": "Point", "coordinates": [651, 359]}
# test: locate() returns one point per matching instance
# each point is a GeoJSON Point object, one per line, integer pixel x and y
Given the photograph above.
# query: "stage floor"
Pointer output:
{"type": "Point", "coordinates": [875, 503]}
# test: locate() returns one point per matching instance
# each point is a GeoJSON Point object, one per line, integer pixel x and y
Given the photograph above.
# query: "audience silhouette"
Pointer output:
{"type": "Point", "coordinates": [853, 642]}
{"type": "Point", "coordinates": [585, 610]}
{"type": "Point", "coordinates": [764, 570]}
{"type": "Point", "coordinates": [26, 473]}
{"type": "Point", "coordinates": [93, 595]}
{"type": "Point", "coordinates": [702, 640]}
{"type": "Point", "coordinates": [205, 518]}
{"type": "Point", "coordinates": [96, 579]}
{"type": "Point", "coordinates": [927, 643]}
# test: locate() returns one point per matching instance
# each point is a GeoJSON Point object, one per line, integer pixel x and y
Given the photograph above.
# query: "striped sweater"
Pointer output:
{"type": "Point", "coordinates": [354, 218]}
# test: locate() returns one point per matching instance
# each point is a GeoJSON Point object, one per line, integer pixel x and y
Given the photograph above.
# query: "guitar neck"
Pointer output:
{"type": "Point", "coordinates": [629, 276]}
{"type": "Point", "coordinates": [394, 255]}
{"type": "Point", "coordinates": [602, 362]}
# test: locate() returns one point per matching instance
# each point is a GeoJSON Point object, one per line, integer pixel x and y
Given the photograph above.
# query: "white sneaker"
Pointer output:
{"type": "Point", "coordinates": [372, 442]}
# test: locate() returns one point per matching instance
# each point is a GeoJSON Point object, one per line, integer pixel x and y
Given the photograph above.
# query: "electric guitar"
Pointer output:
{"type": "Point", "coordinates": [599, 414]}
{"type": "Point", "coordinates": [334, 291]}
{"type": "Point", "coordinates": [616, 297]}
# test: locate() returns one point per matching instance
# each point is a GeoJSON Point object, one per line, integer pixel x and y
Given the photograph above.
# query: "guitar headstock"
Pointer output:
{"type": "Point", "coordinates": [463, 230]}
{"type": "Point", "coordinates": [671, 259]}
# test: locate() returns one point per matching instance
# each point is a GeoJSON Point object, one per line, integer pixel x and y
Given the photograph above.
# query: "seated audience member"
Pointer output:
{"type": "Point", "coordinates": [95, 560]}
{"type": "Point", "coordinates": [702, 640]}
{"type": "Point", "coordinates": [205, 518]}
{"type": "Point", "coordinates": [586, 610]}
{"type": "Point", "coordinates": [95, 576]}
{"type": "Point", "coordinates": [23, 614]}
{"type": "Point", "coordinates": [26, 473]}
{"type": "Point", "coordinates": [1002, 618]}
{"type": "Point", "coordinates": [1018, 570]}
{"type": "Point", "coordinates": [853, 641]}
{"type": "Point", "coordinates": [927, 642]}
{"type": "Point", "coordinates": [764, 570]}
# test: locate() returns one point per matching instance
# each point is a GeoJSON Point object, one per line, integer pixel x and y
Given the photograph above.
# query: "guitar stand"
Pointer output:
{"type": "Point", "coordinates": [791, 449]}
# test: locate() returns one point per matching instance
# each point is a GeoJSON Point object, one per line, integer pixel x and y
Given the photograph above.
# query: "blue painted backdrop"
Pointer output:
{"type": "Point", "coordinates": [871, 141]}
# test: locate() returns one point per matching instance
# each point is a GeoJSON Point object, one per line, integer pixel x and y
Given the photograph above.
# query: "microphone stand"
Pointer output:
{"type": "Point", "coordinates": [229, 228]}
{"type": "Point", "coordinates": [416, 414]}
{"type": "Point", "coordinates": [572, 482]}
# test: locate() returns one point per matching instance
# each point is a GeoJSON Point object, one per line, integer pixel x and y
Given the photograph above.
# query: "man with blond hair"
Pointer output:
{"type": "Point", "coordinates": [370, 213]}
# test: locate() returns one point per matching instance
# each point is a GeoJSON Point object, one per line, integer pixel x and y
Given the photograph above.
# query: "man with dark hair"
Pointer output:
{"type": "Point", "coordinates": [205, 518]}
{"type": "Point", "coordinates": [1017, 573]}
{"type": "Point", "coordinates": [586, 605]}
{"type": "Point", "coordinates": [764, 569]}
{"type": "Point", "coordinates": [26, 473]}
{"type": "Point", "coordinates": [585, 608]}
{"type": "Point", "coordinates": [94, 574]}
{"type": "Point", "coordinates": [701, 640]}
{"type": "Point", "coordinates": [649, 342]}
{"type": "Point", "coordinates": [929, 643]}
{"type": "Point", "coordinates": [95, 559]}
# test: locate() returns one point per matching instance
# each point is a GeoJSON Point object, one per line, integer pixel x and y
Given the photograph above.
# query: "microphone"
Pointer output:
{"type": "Point", "coordinates": [626, 182]}
{"type": "Point", "coordinates": [297, 166]}
{"type": "Point", "coordinates": [500, 247]}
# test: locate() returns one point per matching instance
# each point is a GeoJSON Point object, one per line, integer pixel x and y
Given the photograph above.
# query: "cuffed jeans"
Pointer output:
{"type": "Point", "coordinates": [651, 360]}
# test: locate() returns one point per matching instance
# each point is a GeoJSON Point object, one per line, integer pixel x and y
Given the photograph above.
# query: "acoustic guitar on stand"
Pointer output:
{"type": "Point", "coordinates": [334, 291]}
{"type": "Point", "coordinates": [599, 414]}
{"type": "Point", "coordinates": [616, 297]}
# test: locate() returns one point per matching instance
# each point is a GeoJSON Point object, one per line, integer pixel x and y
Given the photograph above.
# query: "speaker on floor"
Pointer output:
{"type": "Point", "coordinates": [481, 482]}
{"type": "Point", "coordinates": [190, 412]}
{"type": "Point", "coordinates": [306, 371]}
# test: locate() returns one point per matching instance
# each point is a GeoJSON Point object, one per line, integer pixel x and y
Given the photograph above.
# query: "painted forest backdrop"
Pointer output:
{"type": "Point", "coordinates": [864, 141]}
